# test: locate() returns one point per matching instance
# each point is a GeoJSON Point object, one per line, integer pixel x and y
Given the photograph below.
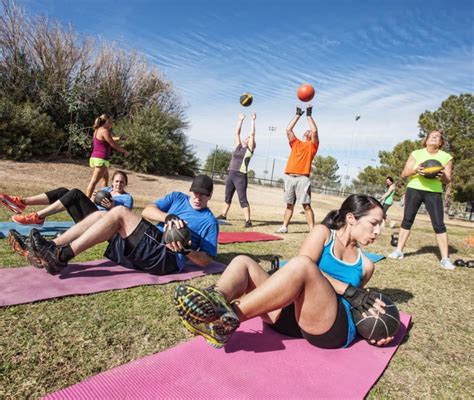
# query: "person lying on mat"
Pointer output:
{"type": "Point", "coordinates": [135, 242]}
{"type": "Point", "coordinates": [309, 297]}
{"type": "Point", "coordinates": [74, 201]}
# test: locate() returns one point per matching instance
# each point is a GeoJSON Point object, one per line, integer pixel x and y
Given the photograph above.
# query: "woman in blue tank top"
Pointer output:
{"type": "Point", "coordinates": [309, 297]}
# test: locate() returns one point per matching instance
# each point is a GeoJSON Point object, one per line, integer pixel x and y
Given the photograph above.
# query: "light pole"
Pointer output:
{"type": "Point", "coordinates": [270, 130]}
{"type": "Point", "coordinates": [357, 117]}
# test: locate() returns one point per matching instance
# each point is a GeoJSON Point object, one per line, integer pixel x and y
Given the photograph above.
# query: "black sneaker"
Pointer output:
{"type": "Point", "coordinates": [47, 252]}
{"type": "Point", "coordinates": [21, 245]}
{"type": "Point", "coordinates": [18, 242]}
{"type": "Point", "coordinates": [221, 217]}
{"type": "Point", "coordinates": [275, 265]}
{"type": "Point", "coordinates": [248, 224]}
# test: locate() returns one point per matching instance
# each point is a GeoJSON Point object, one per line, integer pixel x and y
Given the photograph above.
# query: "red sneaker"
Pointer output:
{"type": "Point", "coordinates": [28, 219]}
{"type": "Point", "coordinates": [14, 203]}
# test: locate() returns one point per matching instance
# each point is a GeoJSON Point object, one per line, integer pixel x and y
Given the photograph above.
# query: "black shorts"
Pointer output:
{"type": "Point", "coordinates": [143, 250]}
{"type": "Point", "coordinates": [334, 338]}
{"type": "Point", "coordinates": [385, 209]}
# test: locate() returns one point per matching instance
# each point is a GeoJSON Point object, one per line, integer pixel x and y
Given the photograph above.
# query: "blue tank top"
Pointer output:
{"type": "Point", "coordinates": [344, 272]}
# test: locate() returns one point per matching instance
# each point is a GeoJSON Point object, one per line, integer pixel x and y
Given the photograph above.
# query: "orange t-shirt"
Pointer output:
{"type": "Point", "coordinates": [301, 157]}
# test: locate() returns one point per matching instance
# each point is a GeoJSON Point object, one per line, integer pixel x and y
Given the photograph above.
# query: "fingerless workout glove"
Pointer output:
{"type": "Point", "coordinates": [360, 299]}
{"type": "Point", "coordinates": [299, 111]}
{"type": "Point", "coordinates": [309, 111]}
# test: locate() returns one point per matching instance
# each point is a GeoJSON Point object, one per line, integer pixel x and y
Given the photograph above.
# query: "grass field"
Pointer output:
{"type": "Point", "coordinates": [52, 344]}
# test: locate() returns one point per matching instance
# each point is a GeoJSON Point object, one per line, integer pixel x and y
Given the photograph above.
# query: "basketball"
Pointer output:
{"type": "Point", "coordinates": [381, 327]}
{"type": "Point", "coordinates": [246, 99]}
{"type": "Point", "coordinates": [101, 195]}
{"type": "Point", "coordinates": [174, 234]}
{"type": "Point", "coordinates": [305, 92]}
{"type": "Point", "coordinates": [431, 168]}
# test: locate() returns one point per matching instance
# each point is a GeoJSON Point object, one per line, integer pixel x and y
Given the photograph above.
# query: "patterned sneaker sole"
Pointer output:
{"type": "Point", "coordinates": [204, 306]}
{"type": "Point", "coordinates": [215, 334]}
{"type": "Point", "coordinates": [43, 257]}
{"type": "Point", "coordinates": [193, 305]}
{"type": "Point", "coordinates": [16, 246]}
{"type": "Point", "coordinates": [11, 206]}
{"type": "Point", "coordinates": [213, 341]}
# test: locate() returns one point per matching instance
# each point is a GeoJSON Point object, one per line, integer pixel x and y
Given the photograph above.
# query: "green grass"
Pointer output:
{"type": "Point", "coordinates": [46, 346]}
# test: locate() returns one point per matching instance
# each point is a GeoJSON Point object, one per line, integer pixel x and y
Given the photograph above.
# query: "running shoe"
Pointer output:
{"type": "Point", "coordinates": [47, 252]}
{"type": "Point", "coordinates": [221, 217]}
{"type": "Point", "coordinates": [248, 224]}
{"type": "Point", "coordinates": [446, 264]}
{"type": "Point", "coordinates": [28, 219]}
{"type": "Point", "coordinates": [283, 229]}
{"type": "Point", "coordinates": [396, 255]}
{"type": "Point", "coordinates": [206, 313]}
{"type": "Point", "coordinates": [22, 246]}
{"type": "Point", "coordinates": [13, 203]}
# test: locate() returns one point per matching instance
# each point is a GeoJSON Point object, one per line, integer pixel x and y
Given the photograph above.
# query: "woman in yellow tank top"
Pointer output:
{"type": "Point", "coordinates": [420, 190]}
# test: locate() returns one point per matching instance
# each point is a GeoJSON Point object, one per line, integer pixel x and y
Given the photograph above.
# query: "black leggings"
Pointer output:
{"type": "Point", "coordinates": [77, 204]}
{"type": "Point", "coordinates": [434, 205]}
{"type": "Point", "coordinates": [334, 338]}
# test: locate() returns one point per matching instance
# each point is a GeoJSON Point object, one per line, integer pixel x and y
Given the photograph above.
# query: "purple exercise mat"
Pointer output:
{"type": "Point", "coordinates": [28, 284]}
{"type": "Point", "coordinates": [257, 363]}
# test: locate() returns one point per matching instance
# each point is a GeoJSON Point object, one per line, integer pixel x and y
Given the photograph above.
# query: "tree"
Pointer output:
{"type": "Point", "coordinates": [455, 118]}
{"type": "Point", "coordinates": [218, 161]}
{"type": "Point", "coordinates": [391, 164]}
{"type": "Point", "coordinates": [325, 171]}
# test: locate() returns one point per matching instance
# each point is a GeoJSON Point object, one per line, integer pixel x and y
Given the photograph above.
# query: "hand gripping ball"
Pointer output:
{"type": "Point", "coordinates": [431, 168]}
{"type": "Point", "coordinates": [381, 327]}
{"type": "Point", "coordinates": [174, 234]}
{"type": "Point", "coordinates": [101, 195]}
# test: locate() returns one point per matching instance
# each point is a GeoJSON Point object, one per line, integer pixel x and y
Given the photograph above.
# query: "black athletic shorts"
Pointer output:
{"type": "Point", "coordinates": [143, 250]}
{"type": "Point", "coordinates": [334, 338]}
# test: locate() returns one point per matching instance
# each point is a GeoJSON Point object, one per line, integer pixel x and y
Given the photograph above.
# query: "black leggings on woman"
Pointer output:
{"type": "Point", "coordinates": [434, 205]}
{"type": "Point", "coordinates": [77, 204]}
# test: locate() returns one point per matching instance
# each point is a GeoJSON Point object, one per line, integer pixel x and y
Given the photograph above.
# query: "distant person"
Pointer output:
{"type": "Point", "coordinates": [298, 169]}
{"type": "Point", "coordinates": [387, 198]}
{"type": "Point", "coordinates": [237, 178]}
{"type": "Point", "coordinates": [134, 242]}
{"type": "Point", "coordinates": [421, 190]}
{"type": "Point", "coordinates": [74, 201]}
{"type": "Point", "coordinates": [102, 142]}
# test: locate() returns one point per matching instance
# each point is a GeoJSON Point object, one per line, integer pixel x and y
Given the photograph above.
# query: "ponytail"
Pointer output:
{"type": "Point", "coordinates": [333, 220]}
{"type": "Point", "coordinates": [356, 204]}
{"type": "Point", "coordinates": [101, 120]}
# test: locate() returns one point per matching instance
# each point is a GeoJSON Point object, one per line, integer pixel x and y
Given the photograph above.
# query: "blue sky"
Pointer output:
{"type": "Point", "coordinates": [387, 61]}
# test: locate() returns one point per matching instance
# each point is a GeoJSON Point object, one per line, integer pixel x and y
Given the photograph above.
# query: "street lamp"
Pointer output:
{"type": "Point", "coordinates": [357, 117]}
{"type": "Point", "coordinates": [270, 130]}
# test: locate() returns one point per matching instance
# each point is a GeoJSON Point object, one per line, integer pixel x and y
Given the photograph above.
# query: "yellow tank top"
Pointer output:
{"type": "Point", "coordinates": [420, 182]}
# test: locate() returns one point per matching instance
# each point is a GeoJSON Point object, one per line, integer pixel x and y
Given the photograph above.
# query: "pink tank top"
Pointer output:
{"type": "Point", "coordinates": [100, 148]}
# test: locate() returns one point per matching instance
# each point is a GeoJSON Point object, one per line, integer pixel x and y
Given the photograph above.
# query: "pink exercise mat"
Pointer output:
{"type": "Point", "coordinates": [240, 237]}
{"type": "Point", "coordinates": [28, 284]}
{"type": "Point", "coordinates": [257, 363]}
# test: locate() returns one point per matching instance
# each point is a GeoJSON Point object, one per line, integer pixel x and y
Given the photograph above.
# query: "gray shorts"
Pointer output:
{"type": "Point", "coordinates": [297, 190]}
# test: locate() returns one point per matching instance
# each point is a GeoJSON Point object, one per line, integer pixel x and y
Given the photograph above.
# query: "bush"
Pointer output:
{"type": "Point", "coordinates": [26, 132]}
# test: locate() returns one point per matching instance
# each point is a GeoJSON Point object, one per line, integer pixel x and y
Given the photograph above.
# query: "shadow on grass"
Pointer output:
{"type": "Point", "coordinates": [431, 250]}
{"type": "Point", "coordinates": [226, 258]}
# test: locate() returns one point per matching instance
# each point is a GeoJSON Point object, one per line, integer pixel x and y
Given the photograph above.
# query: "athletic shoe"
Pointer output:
{"type": "Point", "coordinates": [18, 242]}
{"type": "Point", "coordinates": [206, 313]}
{"type": "Point", "coordinates": [14, 203]}
{"type": "Point", "coordinates": [28, 219]}
{"type": "Point", "coordinates": [222, 217]}
{"type": "Point", "coordinates": [446, 264]}
{"type": "Point", "coordinates": [393, 224]}
{"type": "Point", "coordinates": [248, 224]}
{"type": "Point", "coordinates": [22, 246]}
{"type": "Point", "coordinates": [47, 252]}
{"type": "Point", "coordinates": [283, 229]}
{"type": "Point", "coordinates": [396, 255]}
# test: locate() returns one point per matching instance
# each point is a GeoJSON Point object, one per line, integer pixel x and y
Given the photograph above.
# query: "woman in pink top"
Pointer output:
{"type": "Point", "coordinates": [99, 160]}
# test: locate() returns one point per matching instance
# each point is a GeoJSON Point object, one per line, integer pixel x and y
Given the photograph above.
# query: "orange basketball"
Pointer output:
{"type": "Point", "coordinates": [305, 92]}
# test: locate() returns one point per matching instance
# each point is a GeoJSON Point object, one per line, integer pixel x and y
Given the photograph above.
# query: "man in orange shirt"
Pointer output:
{"type": "Point", "coordinates": [298, 169]}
